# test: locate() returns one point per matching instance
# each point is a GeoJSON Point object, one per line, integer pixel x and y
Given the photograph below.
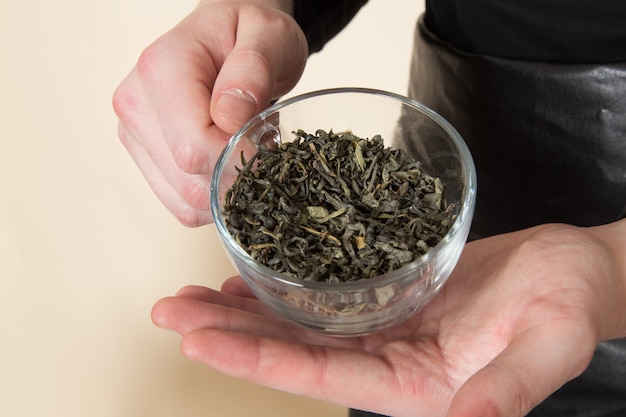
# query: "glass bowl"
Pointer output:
{"type": "Point", "coordinates": [362, 306]}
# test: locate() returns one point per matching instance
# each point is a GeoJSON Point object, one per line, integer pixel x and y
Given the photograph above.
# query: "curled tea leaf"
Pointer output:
{"type": "Point", "coordinates": [335, 207]}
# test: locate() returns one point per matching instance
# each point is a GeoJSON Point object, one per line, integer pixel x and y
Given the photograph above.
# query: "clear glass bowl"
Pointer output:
{"type": "Point", "coordinates": [369, 305]}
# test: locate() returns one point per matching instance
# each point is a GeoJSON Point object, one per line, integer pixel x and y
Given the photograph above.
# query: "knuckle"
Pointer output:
{"type": "Point", "coordinates": [190, 217]}
{"type": "Point", "coordinates": [124, 136]}
{"type": "Point", "coordinates": [196, 194]}
{"type": "Point", "coordinates": [148, 61]}
{"type": "Point", "coordinates": [190, 160]}
{"type": "Point", "coordinates": [253, 63]}
{"type": "Point", "coordinates": [124, 102]}
{"type": "Point", "coordinates": [274, 20]}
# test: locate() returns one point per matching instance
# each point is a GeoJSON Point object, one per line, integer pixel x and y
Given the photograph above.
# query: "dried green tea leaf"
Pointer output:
{"type": "Point", "coordinates": [335, 207]}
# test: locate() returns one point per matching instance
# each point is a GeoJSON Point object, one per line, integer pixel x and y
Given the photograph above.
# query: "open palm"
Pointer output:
{"type": "Point", "coordinates": [518, 318]}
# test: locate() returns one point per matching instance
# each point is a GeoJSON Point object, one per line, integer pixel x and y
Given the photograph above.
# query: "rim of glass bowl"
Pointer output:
{"type": "Point", "coordinates": [381, 280]}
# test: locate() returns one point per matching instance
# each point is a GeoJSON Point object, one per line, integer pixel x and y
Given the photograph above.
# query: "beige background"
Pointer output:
{"type": "Point", "coordinates": [86, 249]}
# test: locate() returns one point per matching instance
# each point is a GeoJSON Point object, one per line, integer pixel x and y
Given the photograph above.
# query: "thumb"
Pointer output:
{"type": "Point", "coordinates": [522, 376]}
{"type": "Point", "coordinates": [267, 60]}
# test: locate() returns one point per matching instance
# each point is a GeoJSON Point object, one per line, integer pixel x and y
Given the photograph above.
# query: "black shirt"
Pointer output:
{"type": "Point", "coordinates": [585, 31]}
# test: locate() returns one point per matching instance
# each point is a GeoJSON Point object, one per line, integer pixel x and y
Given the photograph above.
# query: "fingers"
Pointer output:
{"type": "Point", "coordinates": [246, 302]}
{"type": "Point", "coordinates": [145, 122]}
{"type": "Point", "coordinates": [342, 376]}
{"type": "Point", "coordinates": [524, 374]}
{"type": "Point", "coordinates": [239, 337]}
{"type": "Point", "coordinates": [185, 315]}
{"type": "Point", "coordinates": [197, 307]}
{"type": "Point", "coordinates": [177, 73]}
{"type": "Point", "coordinates": [234, 57]}
{"type": "Point", "coordinates": [268, 58]}
{"type": "Point", "coordinates": [237, 286]}
{"type": "Point", "coordinates": [170, 184]}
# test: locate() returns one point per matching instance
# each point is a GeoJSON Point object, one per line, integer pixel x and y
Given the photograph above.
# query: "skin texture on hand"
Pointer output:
{"type": "Point", "coordinates": [195, 86]}
{"type": "Point", "coordinates": [521, 315]}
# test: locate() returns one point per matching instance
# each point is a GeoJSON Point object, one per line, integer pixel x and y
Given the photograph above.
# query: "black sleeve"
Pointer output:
{"type": "Point", "coordinates": [322, 19]}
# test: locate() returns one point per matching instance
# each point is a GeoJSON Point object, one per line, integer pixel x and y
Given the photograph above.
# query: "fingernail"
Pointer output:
{"type": "Point", "coordinates": [169, 329]}
{"type": "Point", "coordinates": [236, 106]}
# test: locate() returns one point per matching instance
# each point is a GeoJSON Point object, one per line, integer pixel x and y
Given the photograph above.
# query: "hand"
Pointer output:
{"type": "Point", "coordinates": [521, 315]}
{"type": "Point", "coordinates": [195, 86]}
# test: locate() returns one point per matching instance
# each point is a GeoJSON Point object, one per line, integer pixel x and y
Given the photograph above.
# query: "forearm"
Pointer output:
{"type": "Point", "coordinates": [614, 237]}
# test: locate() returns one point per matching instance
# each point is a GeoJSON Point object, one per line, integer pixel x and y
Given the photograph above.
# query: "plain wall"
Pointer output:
{"type": "Point", "coordinates": [86, 248]}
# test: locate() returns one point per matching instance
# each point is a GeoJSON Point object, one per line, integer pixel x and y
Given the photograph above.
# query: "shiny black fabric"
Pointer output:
{"type": "Point", "coordinates": [549, 142]}
{"type": "Point", "coordinates": [321, 20]}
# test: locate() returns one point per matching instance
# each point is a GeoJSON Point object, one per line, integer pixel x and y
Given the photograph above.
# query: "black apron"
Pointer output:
{"type": "Point", "coordinates": [549, 143]}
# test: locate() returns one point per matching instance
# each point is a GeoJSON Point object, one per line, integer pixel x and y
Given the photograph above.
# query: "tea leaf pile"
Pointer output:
{"type": "Point", "coordinates": [335, 207]}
